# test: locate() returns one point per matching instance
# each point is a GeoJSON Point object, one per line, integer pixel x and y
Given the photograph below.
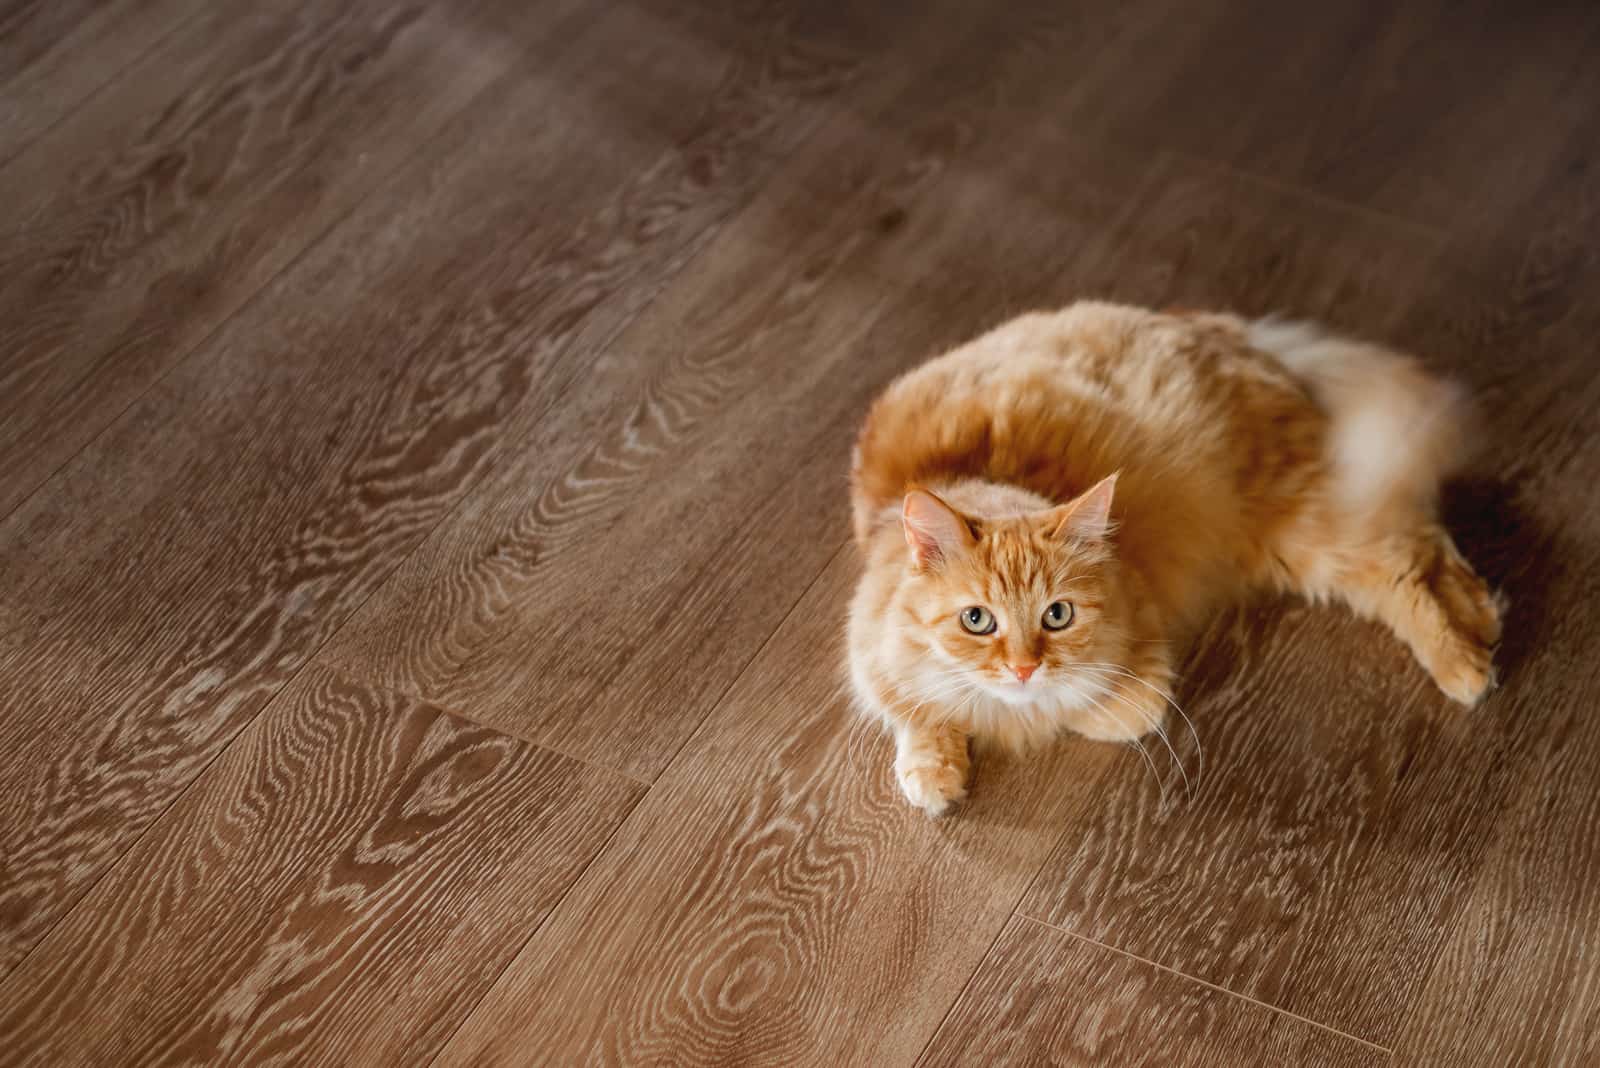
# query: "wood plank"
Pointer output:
{"type": "Point", "coordinates": [1043, 997]}
{"type": "Point", "coordinates": [1336, 835]}
{"type": "Point", "coordinates": [161, 207]}
{"type": "Point", "coordinates": [186, 564]}
{"type": "Point", "coordinates": [773, 900]}
{"type": "Point", "coordinates": [54, 54]}
{"type": "Point", "coordinates": [341, 887]}
{"type": "Point", "coordinates": [602, 592]}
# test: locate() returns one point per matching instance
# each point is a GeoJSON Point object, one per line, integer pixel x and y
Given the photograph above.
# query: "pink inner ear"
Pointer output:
{"type": "Point", "coordinates": [934, 531]}
{"type": "Point", "coordinates": [1089, 516]}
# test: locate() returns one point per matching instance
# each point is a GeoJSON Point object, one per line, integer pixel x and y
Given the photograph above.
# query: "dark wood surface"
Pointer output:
{"type": "Point", "coordinates": [422, 534]}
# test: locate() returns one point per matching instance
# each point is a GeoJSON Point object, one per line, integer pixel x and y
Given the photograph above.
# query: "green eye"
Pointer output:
{"type": "Point", "coordinates": [1058, 616]}
{"type": "Point", "coordinates": [977, 620]}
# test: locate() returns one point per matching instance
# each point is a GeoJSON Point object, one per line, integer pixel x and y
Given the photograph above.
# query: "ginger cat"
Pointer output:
{"type": "Point", "coordinates": [1049, 512]}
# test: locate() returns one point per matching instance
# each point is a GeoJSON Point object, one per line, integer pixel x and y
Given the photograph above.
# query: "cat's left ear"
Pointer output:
{"type": "Point", "coordinates": [1089, 515]}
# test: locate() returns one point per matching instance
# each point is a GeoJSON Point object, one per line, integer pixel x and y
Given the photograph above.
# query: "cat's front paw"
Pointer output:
{"type": "Point", "coordinates": [932, 786]}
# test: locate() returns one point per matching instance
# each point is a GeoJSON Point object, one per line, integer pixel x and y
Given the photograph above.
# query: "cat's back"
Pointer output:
{"type": "Point", "coordinates": [1055, 401]}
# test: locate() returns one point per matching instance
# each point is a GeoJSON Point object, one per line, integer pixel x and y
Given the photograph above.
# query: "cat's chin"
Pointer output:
{"type": "Point", "coordinates": [1018, 694]}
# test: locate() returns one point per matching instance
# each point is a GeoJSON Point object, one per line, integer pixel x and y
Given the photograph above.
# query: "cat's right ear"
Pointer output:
{"type": "Point", "coordinates": [934, 531]}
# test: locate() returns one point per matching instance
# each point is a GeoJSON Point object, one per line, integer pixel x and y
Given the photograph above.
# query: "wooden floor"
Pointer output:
{"type": "Point", "coordinates": [423, 534]}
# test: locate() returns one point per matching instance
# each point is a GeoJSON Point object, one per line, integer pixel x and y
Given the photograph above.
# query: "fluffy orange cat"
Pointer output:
{"type": "Point", "coordinates": [1049, 512]}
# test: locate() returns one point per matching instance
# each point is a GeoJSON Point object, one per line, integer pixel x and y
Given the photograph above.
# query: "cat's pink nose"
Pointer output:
{"type": "Point", "coordinates": [1024, 671]}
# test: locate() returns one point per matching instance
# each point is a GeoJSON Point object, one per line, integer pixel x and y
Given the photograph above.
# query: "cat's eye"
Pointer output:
{"type": "Point", "coordinates": [1058, 616]}
{"type": "Point", "coordinates": [977, 620]}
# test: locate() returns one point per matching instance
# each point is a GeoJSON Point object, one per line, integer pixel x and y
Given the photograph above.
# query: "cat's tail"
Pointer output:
{"type": "Point", "coordinates": [1397, 431]}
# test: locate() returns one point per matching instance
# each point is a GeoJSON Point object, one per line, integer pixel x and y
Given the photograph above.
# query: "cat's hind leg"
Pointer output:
{"type": "Point", "coordinates": [1394, 434]}
{"type": "Point", "coordinates": [1415, 580]}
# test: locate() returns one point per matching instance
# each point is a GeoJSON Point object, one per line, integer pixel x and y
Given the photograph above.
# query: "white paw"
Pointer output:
{"type": "Point", "coordinates": [932, 786]}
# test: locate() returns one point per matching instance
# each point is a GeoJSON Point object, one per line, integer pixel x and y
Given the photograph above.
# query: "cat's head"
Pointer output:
{"type": "Point", "coordinates": [1013, 608]}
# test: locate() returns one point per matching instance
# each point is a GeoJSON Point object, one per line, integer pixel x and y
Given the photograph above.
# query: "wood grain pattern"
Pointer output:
{"type": "Point", "coordinates": [661, 521]}
{"type": "Point", "coordinates": [185, 564]}
{"type": "Point", "coordinates": [164, 204]}
{"type": "Point", "coordinates": [1043, 997]}
{"type": "Point", "coordinates": [773, 900]}
{"type": "Point", "coordinates": [349, 879]}
{"type": "Point", "coordinates": [54, 54]}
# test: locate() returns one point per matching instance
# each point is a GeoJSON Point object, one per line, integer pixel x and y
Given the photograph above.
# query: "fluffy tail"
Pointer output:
{"type": "Point", "coordinates": [1397, 431]}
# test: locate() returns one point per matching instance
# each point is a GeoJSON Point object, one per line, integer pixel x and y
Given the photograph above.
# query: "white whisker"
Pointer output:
{"type": "Point", "coordinates": [1145, 753]}
{"type": "Point", "coordinates": [1154, 724]}
{"type": "Point", "coordinates": [1118, 669]}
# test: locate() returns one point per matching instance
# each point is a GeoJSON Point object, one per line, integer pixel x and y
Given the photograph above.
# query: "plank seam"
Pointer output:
{"type": "Point", "coordinates": [950, 1010]}
{"type": "Point", "coordinates": [1430, 231]}
{"type": "Point", "coordinates": [548, 916]}
{"type": "Point", "coordinates": [712, 706]}
{"type": "Point", "coordinates": [162, 41]}
{"type": "Point", "coordinates": [1012, 916]}
{"type": "Point", "coordinates": [345, 671]}
{"type": "Point", "coordinates": [1209, 985]}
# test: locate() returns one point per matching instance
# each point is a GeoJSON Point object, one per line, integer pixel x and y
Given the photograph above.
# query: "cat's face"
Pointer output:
{"type": "Point", "coordinates": [1013, 609]}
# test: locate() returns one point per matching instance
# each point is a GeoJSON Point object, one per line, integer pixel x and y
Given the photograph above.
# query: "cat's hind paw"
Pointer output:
{"type": "Point", "coordinates": [1462, 665]}
{"type": "Point", "coordinates": [1460, 656]}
